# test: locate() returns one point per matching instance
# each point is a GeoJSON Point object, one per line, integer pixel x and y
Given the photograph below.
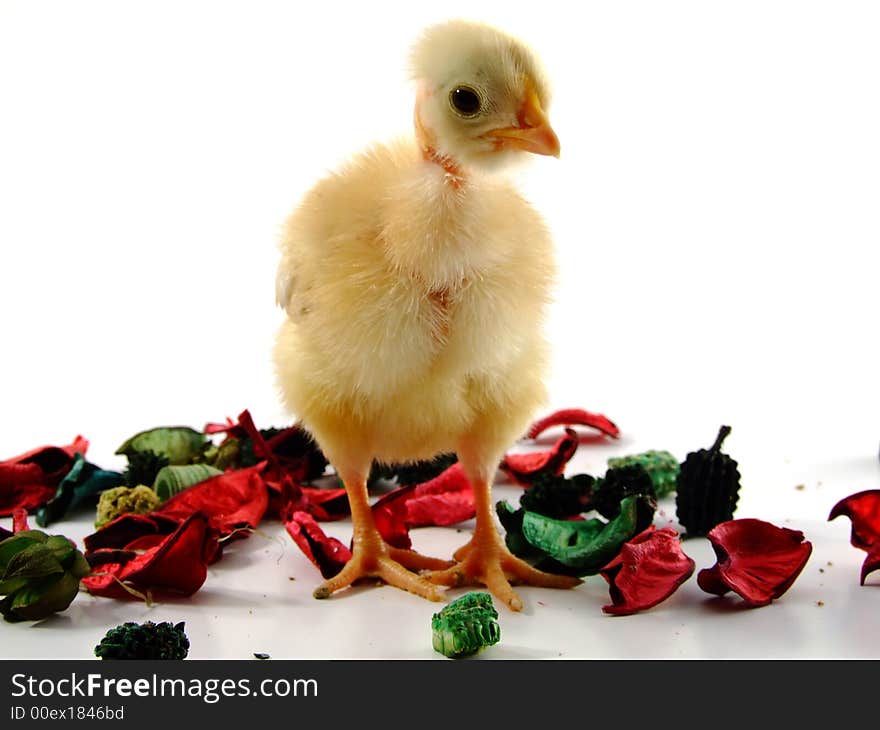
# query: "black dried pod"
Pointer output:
{"type": "Point", "coordinates": [556, 496]}
{"type": "Point", "coordinates": [143, 467]}
{"type": "Point", "coordinates": [707, 488]}
{"type": "Point", "coordinates": [619, 483]}
{"type": "Point", "coordinates": [144, 641]}
{"type": "Point", "coordinates": [293, 448]}
{"type": "Point", "coordinates": [413, 472]}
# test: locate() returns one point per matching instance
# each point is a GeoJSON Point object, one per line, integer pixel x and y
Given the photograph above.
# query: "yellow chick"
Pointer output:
{"type": "Point", "coordinates": [415, 281]}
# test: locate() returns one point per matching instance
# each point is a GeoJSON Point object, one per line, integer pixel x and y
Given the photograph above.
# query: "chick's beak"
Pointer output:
{"type": "Point", "coordinates": [532, 132]}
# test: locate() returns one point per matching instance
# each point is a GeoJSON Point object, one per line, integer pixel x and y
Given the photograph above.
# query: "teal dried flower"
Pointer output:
{"type": "Point", "coordinates": [662, 467]}
{"type": "Point", "coordinates": [144, 641]}
{"type": "Point", "coordinates": [39, 575]}
{"type": "Point", "coordinates": [465, 626]}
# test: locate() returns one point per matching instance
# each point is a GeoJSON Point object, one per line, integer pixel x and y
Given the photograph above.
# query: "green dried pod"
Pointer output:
{"type": "Point", "coordinates": [662, 467]}
{"type": "Point", "coordinates": [583, 547]}
{"type": "Point", "coordinates": [512, 520]}
{"type": "Point", "coordinates": [708, 488]}
{"type": "Point", "coordinates": [39, 575]}
{"type": "Point", "coordinates": [618, 484]}
{"type": "Point", "coordinates": [122, 500]}
{"type": "Point", "coordinates": [144, 641]}
{"type": "Point", "coordinates": [178, 444]}
{"type": "Point", "coordinates": [465, 626]}
{"type": "Point", "coordinates": [174, 479]}
{"type": "Point", "coordinates": [225, 456]}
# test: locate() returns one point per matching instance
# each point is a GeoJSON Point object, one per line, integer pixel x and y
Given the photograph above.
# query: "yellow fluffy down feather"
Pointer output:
{"type": "Point", "coordinates": [415, 309]}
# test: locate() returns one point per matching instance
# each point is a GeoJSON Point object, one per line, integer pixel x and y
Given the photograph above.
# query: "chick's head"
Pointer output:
{"type": "Point", "coordinates": [482, 96]}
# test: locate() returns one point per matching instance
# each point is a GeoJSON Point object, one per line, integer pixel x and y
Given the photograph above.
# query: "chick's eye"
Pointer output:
{"type": "Point", "coordinates": [465, 101]}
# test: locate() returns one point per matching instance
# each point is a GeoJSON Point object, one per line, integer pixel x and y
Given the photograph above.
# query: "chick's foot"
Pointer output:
{"type": "Point", "coordinates": [373, 558]}
{"type": "Point", "coordinates": [486, 561]}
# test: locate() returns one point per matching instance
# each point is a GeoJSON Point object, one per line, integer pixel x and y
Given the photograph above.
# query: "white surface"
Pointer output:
{"type": "Point", "coordinates": [715, 211]}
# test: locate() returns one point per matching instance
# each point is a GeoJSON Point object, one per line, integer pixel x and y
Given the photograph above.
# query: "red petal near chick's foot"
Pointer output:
{"type": "Point", "coordinates": [523, 468]}
{"type": "Point", "coordinates": [327, 553]}
{"type": "Point", "coordinates": [287, 497]}
{"type": "Point", "coordinates": [863, 508]}
{"type": "Point", "coordinates": [757, 560]}
{"type": "Point", "coordinates": [648, 570]}
{"type": "Point", "coordinates": [574, 417]}
{"type": "Point", "coordinates": [444, 500]}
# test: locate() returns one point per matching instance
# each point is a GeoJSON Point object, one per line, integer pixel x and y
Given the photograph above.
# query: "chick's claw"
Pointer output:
{"type": "Point", "coordinates": [486, 561]}
{"type": "Point", "coordinates": [390, 565]}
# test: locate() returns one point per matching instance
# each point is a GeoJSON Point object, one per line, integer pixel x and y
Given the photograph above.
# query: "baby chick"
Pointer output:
{"type": "Point", "coordinates": [415, 281]}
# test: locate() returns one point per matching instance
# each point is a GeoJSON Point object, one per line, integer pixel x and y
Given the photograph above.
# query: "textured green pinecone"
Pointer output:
{"type": "Point", "coordinates": [708, 488]}
{"type": "Point", "coordinates": [144, 641]}
{"type": "Point", "coordinates": [661, 466]}
{"type": "Point", "coordinates": [465, 626]}
{"type": "Point", "coordinates": [616, 485]}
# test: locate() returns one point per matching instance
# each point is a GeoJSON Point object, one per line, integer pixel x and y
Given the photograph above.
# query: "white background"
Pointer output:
{"type": "Point", "coordinates": [716, 217]}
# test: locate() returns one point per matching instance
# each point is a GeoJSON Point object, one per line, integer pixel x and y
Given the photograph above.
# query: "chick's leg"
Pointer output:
{"type": "Point", "coordinates": [371, 556]}
{"type": "Point", "coordinates": [485, 559]}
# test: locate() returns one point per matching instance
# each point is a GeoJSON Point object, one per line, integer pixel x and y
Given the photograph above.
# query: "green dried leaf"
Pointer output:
{"type": "Point", "coordinates": [585, 546]}
{"type": "Point", "coordinates": [41, 599]}
{"type": "Point", "coordinates": [40, 574]}
{"type": "Point", "coordinates": [62, 548]}
{"type": "Point", "coordinates": [11, 585]}
{"type": "Point", "coordinates": [512, 521]}
{"type": "Point", "coordinates": [35, 561]}
{"type": "Point", "coordinates": [179, 444]}
{"type": "Point", "coordinates": [12, 546]}
{"type": "Point", "coordinates": [174, 479]}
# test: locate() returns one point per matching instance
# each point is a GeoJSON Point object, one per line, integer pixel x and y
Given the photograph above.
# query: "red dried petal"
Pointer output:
{"type": "Point", "coordinates": [572, 417]}
{"type": "Point", "coordinates": [20, 520]}
{"type": "Point", "coordinates": [872, 563]}
{"type": "Point", "coordinates": [863, 508]}
{"type": "Point", "coordinates": [29, 480]}
{"type": "Point", "coordinates": [289, 453]}
{"type": "Point", "coordinates": [287, 497]}
{"type": "Point", "coordinates": [648, 570]}
{"type": "Point", "coordinates": [444, 500]}
{"type": "Point", "coordinates": [232, 501]}
{"type": "Point", "coordinates": [179, 563]}
{"type": "Point", "coordinates": [523, 468]}
{"type": "Point", "coordinates": [756, 560]}
{"type": "Point", "coordinates": [127, 528]}
{"type": "Point", "coordinates": [327, 553]}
